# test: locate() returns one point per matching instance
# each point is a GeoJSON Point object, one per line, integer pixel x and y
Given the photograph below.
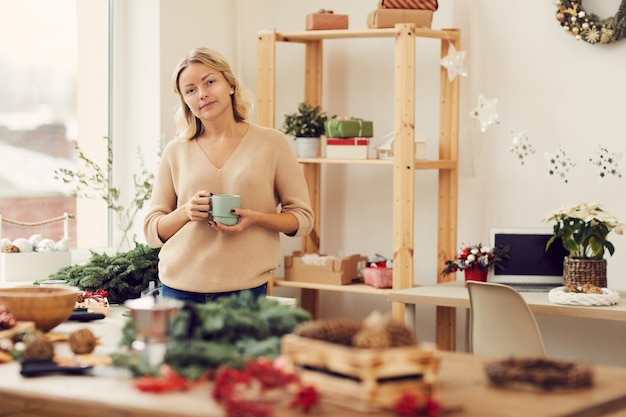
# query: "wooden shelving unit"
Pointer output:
{"type": "Point", "coordinates": [404, 165]}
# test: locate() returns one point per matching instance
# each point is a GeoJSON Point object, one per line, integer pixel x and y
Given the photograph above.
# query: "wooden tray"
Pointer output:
{"type": "Point", "coordinates": [362, 379]}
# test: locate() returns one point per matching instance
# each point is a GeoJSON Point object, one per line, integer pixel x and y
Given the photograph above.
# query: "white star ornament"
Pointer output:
{"type": "Point", "coordinates": [453, 62]}
{"type": "Point", "coordinates": [486, 112]}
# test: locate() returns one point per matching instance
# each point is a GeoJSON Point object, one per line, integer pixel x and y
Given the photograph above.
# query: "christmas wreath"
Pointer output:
{"type": "Point", "coordinates": [589, 27]}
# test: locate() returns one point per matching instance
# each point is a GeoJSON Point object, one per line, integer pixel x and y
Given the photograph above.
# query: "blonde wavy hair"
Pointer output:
{"type": "Point", "coordinates": [188, 126]}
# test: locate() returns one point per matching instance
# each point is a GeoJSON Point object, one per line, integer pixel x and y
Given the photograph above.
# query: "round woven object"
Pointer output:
{"type": "Point", "coordinates": [607, 298]}
{"type": "Point", "coordinates": [539, 373]}
{"type": "Point", "coordinates": [584, 271]}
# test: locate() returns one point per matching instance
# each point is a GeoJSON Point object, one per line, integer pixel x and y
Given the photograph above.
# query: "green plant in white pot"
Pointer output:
{"type": "Point", "coordinates": [306, 125]}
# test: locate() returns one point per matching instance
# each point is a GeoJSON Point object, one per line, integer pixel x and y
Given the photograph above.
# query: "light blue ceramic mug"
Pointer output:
{"type": "Point", "coordinates": [221, 206]}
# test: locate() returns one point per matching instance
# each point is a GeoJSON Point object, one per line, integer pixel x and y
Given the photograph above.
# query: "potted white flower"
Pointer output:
{"type": "Point", "coordinates": [583, 229]}
{"type": "Point", "coordinates": [306, 125]}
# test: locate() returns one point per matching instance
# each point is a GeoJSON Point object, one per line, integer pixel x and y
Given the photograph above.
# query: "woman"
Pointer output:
{"type": "Point", "coordinates": [218, 151]}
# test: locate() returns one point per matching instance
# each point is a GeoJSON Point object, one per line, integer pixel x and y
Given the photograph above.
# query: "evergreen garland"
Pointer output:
{"type": "Point", "coordinates": [225, 332]}
{"type": "Point", "coordinates": [124, 275]}
{"type": "Point", "coordinates": [589, 27]}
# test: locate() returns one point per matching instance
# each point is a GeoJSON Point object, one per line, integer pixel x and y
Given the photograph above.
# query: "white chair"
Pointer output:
{"type": "Point", "coordinates": [501, 323]}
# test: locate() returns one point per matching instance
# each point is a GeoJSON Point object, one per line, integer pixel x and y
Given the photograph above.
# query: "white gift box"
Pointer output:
{"type": "Point", "coordinates": [346, 148]}
{"type": "Point", "coordinates": [32, 266]}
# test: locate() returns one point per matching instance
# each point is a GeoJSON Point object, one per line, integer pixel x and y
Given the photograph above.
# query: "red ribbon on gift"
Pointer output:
{"type": "Point", "coordinates": [408, 4]}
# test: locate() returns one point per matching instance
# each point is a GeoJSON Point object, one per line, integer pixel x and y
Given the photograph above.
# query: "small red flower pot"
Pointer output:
{"type": "Point", "coordinates": [476, 274]}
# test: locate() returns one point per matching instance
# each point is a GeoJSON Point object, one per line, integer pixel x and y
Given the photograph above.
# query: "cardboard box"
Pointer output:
{"type": "Point", "coordinates": [32, 266]}
{"type": "Point", "coordinates": [363, 379]}
{"type": "Point", "coordinates": [388, 18]}
{"type": "Point", "coordinates": [326, 21]}
{"type": "Point", "coordinates": [347, 148]}
{"type": "Point", "coordinates": [337, 271]}
{"type": "Point", "coordinates": [348, 128]}
{"type": "Point", "coordinates": [409, 4]}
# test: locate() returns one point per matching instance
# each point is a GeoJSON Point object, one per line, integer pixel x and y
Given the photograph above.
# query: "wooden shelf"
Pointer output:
{"type": "Point", "coordinates": [352, 288]}
{"type": "Point", "coordinates": [417, 165]}
{"type": "Point", "coordinates": [314, 35]}
{"type": "Point", "coordinates": [403, 166]}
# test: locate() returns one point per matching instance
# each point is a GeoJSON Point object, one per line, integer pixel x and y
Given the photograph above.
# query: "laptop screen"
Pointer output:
{"type": "Point", "coordinates": [529, 262]}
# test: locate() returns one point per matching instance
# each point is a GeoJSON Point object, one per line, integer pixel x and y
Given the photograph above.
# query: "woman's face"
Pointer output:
{"type": "Point", "coordinates": [206, 91]}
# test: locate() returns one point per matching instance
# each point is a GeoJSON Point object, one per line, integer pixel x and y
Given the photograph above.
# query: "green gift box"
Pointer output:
{"type": "Point", "coordinates": [348, 128]}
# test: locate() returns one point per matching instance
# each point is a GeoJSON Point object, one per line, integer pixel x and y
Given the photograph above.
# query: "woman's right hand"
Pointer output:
{"type": "Point", "coordinates": [197, 208]}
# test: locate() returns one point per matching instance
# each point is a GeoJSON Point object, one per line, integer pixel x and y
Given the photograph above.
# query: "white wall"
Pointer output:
{"type": "Point", "coordinates": [562, 92]}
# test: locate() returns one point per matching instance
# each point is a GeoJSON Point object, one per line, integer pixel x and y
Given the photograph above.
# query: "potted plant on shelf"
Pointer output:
{"type": "Point", "coordinates": [306, 125]}
{"type": "Point", "coordinates": [583, 230]}
{"type": "Point", "coordinates": [476, 261]}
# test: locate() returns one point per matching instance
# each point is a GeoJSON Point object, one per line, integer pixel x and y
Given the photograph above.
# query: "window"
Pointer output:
{"type": "Point", "coordinates": [45, 105]}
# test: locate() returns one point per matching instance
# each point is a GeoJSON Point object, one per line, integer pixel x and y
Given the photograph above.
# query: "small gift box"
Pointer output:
{"type": "Point", "coordinates": [408, 4]}
{"type": "Point", "coordinates": [388, 18]}
{"type": "Point", "coordinates": [326, 21]}
{"type": "Point", "coordinates": [348, 128]}
{"type": "Point", "coordinates": [346, 148]}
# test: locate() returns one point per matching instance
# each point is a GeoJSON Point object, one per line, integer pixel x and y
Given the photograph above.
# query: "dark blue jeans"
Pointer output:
{"type": "Point", "coordinates": [203, 297]}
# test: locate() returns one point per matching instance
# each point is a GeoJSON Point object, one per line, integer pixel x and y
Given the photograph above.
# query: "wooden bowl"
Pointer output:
{"type": "Point", "coordinates": [47, 307]}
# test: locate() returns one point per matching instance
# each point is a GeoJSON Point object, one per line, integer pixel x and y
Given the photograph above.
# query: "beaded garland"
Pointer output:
{"type": "Point", "coordinates": [589, 27]}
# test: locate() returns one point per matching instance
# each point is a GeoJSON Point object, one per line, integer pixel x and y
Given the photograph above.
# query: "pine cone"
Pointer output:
{"type": "Point", "coordinates": [400, 334]}
{"type": "Point", "coordinates": [11, 249]}
{"type": "Point", "coordinates": [371, 338]}
{"type": "Point", "coordinates": [338, 330]}
{"type": "Point", "coordinates": [39, 348]}
{"type": "Point", "coordinates": [82, 341]}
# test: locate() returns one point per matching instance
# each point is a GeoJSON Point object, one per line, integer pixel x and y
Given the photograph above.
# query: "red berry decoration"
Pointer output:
{"type": "Point", "coordinates": [406, 405]}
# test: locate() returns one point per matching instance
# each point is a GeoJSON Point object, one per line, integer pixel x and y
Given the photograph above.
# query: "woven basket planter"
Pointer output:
{"type": "Point", "coordinates": [584, 271]}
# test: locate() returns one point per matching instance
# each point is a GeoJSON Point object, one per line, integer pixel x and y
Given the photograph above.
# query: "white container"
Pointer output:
{"type": "Point", "coordinates": [32, 266]}
{"type": "Point", "coordinates": [349, 148]}
{"type": "Point", "coordinates": [307, 147]}
{"type": "Point", "coordinates": [385, 149]}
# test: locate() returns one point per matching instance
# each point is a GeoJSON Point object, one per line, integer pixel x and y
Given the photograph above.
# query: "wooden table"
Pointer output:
{"type": "Point", "coordinates": [464, 391]}
{"type": "Point", "coordinates": [454, 295]}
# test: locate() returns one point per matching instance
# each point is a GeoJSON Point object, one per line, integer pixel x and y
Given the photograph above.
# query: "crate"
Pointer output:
{"type": "Point", "coordinates": [363, 379]}
{"type": "Point", "coordinates": [338, 271]}
{"type": "Point", "coordinates": [32, 266]}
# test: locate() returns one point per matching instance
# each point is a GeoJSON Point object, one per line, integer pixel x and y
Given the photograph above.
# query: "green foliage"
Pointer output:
{"type": "Point", "coordinates": [225, 332]}
{"type": "Point", "coordinates": [124, 275]}
{"type": "Point", "coordinates": [307, 122]}
{"type": "Point", "coordinates": [93, 182]}
{"type": "Point", "coordinates": [584, 229]}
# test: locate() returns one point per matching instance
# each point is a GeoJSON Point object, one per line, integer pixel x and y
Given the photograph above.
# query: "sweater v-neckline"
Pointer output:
{"type": "Point", "coordinates": [227, 160]}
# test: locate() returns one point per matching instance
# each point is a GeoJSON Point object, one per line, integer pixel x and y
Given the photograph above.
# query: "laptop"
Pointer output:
{"type": "Point", "coordinates": [531, 267]}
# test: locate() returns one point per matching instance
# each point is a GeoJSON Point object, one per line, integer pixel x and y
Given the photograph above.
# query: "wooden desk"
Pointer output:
{"type": "Point", "coordinates": [464, 392]}
{"type": "Point", "coordinates": [454, 294]}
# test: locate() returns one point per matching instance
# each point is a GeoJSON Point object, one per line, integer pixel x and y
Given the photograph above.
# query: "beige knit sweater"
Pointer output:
{"type": "Point", "coordinates": [265, 173]}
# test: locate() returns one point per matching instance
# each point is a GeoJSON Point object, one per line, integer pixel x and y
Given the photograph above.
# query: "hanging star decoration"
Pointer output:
{"type": "Point", "coordinates": [521, 146]}
{"type": "Point", "coordinates": [453, 62]}
{"type": "Point", "coordinates": [486, 112]}
{"type": "Point", "coordinates": [559, 164]}
{"type": "Point", "coordinates": [606, 163]}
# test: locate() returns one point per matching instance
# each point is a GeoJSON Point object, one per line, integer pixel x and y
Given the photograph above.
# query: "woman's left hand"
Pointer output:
{"type": "Point", "coordinates": [245, 219]}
